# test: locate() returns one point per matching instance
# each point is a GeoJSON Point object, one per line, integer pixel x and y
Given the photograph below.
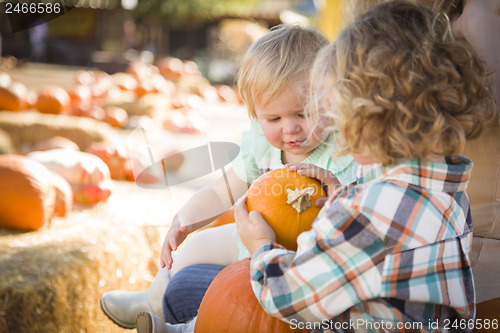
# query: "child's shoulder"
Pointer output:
{"type": "Point", "coordinates": [253, 140]}
{"type": "Point", "coordinates": [370, 195]}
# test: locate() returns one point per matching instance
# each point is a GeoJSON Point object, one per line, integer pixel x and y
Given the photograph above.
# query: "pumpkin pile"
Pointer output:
{"type": "Point", "coordinates": [286, 200]}
{"type": "Point", "coordinates": [142, 90]}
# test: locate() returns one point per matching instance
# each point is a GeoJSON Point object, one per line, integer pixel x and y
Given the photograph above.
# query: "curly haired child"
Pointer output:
{"type": "Point", "coordinates": [391, 252]}
{"type": "Point", "coordinates": [477, 22]}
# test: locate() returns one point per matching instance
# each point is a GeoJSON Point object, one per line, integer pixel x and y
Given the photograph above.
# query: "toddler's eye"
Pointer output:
{"type": "Point", "coordinates": [274, 119]}
{"type": "Point", "coordinates": [301, 115]}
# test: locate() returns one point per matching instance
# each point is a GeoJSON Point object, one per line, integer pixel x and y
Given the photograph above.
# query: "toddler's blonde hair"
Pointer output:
{"type": "Point", "coordinates": [399, 85]}
{"type": "Point", "coordinates": [276, 61]}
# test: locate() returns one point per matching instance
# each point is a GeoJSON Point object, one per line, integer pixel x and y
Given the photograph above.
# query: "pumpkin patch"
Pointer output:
{"type": "Point", "coordinates": [286, 200]}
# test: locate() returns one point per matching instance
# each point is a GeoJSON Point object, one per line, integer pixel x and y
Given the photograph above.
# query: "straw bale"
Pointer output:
{"type": "Point", "coordinates": [28, 128]}
{"type": "Point", "coordinates": [149, 105]}
{"type": "Point", "coordinates": [51, 280]}
{"type": "Point", "coordinates": [6, 146]}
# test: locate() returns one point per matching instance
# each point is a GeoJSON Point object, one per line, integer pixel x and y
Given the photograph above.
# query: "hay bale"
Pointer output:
{"type": "Point", "coordinates": [6, 146]}
{"type": "Point", "coordinates": [149, 105]}
{"type": "Point", "coordinates": [28, 128]}
{"type": "Point", "coordinates": [52, 280]}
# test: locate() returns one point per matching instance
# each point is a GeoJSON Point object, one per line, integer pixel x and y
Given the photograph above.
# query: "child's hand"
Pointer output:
{"type": "Point", "coordinates": [325, 176]}
{"type": "Point", "coordinates": [253, 229]}
{"type": "Point", "coordinates": [175, 236]}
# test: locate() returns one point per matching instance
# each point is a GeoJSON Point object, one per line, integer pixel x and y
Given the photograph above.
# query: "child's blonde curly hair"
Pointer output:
{"type": "Point", "coordinates": [354, 8]}
{"type": "Point", "coordinates": [399, 85]}
{"type": "Point", "coordinates": [277, 60]}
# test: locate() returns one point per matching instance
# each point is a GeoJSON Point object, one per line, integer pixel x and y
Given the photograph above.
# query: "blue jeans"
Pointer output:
{"type": "Point", "coordinates": [185, 292]}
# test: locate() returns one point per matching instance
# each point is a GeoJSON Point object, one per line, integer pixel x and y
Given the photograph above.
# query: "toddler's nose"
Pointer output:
{"type": "Point", "coordinates": [291, 127]}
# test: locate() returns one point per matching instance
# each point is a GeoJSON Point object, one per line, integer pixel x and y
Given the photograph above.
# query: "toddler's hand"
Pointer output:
{"type": "Point", "coordinates": [325, 176]}
{"type": "Point", "coordinates": [253, 229]}
{"type": "Point", "coordinates": [175, 236]}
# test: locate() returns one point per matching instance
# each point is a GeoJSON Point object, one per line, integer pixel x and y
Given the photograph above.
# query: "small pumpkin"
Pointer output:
{"type": "Point", "coordinates": [64, 195]}
{"type": "Point", "coordinates": [184, 121]}
{"type": "Point", "coordinates": [87, 174]}
{"type": "Point", "coordinates": [124, 81]}
{"type": "Point", "coordinates": [116, 158]}
{"type": "Point", "coordinates": [79, 93]}
{"type": "Point", "coordinates": [85, 77]}
{"type": "Point", "coordinates": [171, 68]}
{"type": "Point", "coordinates": [115, 116]}
{"type": "Point", "coordinates": [13, 97]}
{"type": "Point", "coordinates": [53, 99]}
{"type": "Point", "coordinates": [229, 305]}
{"type": "Point", "coordinates": [5, 79]}
{"type": "Point", "coordinates": [286, 200]}
{"type": "Point", "coordinates": [227, 94]}
{"type": "Point", "coordinates": [225, 218]}
{"type": "Point", "coordinates": [27, 195]}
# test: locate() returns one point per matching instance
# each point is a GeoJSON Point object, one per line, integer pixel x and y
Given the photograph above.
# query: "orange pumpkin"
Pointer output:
{"type": "Point", "coordinates": [190, 68]}
{"type": "Point", "coordinates": [13, 97]}
{"type": "Point", "coordinates": [171, 68]}
{"type": "Point", "coordinates": [225, 218]}
{"type": "Point", "coordinates": [53, 99]}
{"type": "Point", "coordinates": [26, 193]}
{"type": "Point", "coordinates": [124, 81]}
{"type": "Point", "coordinates": [286, 200]}
{"type": "Point", "coordinates": [184, 120]}
{"type": "Point", "coordinates": [227, 94]}
{"type": "Point", "coordinates": [79, 93]}
{"type": "Point", "coordinates": [115, 157]}
{"type": "Point", "coordinates": [84, 77]}
{"type": "Point", "coordinates": [87, 174]}
{"type": "Point", "coordinates": [229, 305]}
{"type": "Point", "coordinates": [5, 79]}
{"type": "Point", "coordinates": [115, 116]}
{"type": "Point", "coordinates": [64, 195]}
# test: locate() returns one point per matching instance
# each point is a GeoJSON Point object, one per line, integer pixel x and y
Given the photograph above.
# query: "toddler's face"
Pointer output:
{"type": "Point", "coordinates": [284, 125]}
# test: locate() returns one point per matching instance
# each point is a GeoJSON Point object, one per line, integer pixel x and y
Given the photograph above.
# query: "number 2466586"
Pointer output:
{"type": "Point", "coordinates": [32, 8]}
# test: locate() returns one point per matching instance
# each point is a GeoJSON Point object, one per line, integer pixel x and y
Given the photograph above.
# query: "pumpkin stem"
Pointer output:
{"type": "Point", "coordinates": [299, 199]}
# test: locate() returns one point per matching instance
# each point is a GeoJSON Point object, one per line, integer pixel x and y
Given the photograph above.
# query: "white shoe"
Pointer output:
{"type": "Point", "coordinates": [150, 323]}
{"type": "Point", "coordinates": [122, 307]}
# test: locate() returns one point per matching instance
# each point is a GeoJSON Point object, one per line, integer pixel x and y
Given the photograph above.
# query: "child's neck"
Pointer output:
{"type": "Point", "coordinates": [287, 157]}
{"type": "Point", "coordinates": [439, 159]}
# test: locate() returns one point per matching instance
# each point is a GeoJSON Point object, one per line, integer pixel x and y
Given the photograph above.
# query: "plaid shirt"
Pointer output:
{"type": "Point", "coordinates": [390, 251]}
